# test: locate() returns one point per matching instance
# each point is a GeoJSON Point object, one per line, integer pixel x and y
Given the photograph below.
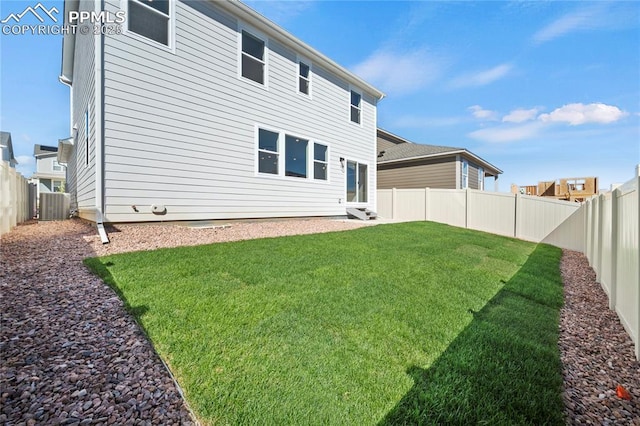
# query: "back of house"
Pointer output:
{"type": "Point", "coordinates": [193, 110]}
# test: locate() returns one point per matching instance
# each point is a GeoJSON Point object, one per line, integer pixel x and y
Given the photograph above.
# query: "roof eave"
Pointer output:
{"type": "Point", "coordinates": [261, 23]}
{"type": "Point", "coordinates": [479, 160]}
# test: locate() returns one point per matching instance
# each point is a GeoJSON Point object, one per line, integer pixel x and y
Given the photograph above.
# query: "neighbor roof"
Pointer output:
{"type": "Point", "coordinates": [405, 150]}
{"type": "Point", "coordinates": [5, 141]}
{"type": "Point", "coordinates": [253, 18]}
{"type": "Point", "coordinates": [44, 150]}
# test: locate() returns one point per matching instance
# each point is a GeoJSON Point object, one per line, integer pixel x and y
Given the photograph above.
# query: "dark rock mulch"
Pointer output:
{"type": "Point", "coordinates": [597, 353]}
{"type": "Point", "coordinates": [69, 352]}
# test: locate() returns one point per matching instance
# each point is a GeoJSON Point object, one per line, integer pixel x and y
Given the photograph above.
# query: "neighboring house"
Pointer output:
{"type": "Point", "coordinates": [50, 174]}
{"type": "Point", "coordinates": [7, 149]}
{"type": "Point", "coordinates": [570, 189]}
{"type": "Point", "coordinates": [207, 110]}
{"type": "Point", "coordinates": [404, 164]}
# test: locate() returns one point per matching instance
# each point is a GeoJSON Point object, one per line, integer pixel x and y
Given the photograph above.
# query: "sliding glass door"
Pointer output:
{"type": "Point", "coordinates": [357, 178]}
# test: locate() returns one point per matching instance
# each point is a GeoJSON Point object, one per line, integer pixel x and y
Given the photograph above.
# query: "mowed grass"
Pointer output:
{"type": "Point", "coordinates": [413, 323]}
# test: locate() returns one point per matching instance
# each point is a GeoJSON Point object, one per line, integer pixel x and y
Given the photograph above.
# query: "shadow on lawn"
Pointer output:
{"type": "Point", "coordinates": [505, 367]}
{"type": "Point", "coordinates": [102, 270]}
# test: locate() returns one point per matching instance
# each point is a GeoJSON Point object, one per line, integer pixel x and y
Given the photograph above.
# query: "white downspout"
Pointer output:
{"type": "Point", "coordinates": [99, 129]}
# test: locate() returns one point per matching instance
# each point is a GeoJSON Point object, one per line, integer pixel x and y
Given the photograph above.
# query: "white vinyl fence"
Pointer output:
{"type": "Point", "coordinates": [606, 228]}
{"type": "Point", "coordinates": [521, 216]}
{"type": "Point", "coordinates": [16, 204]}
{"type": "Point", "coordinates": [612, 230]}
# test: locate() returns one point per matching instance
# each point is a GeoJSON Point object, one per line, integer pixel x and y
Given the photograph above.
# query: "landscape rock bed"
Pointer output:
{"type": "Point", "coordinates": [71, 354]}
{"type": "Point", "coordinates": [597, 353]}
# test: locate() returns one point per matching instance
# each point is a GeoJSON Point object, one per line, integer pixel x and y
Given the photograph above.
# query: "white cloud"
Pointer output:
{"type": "Point", "coordinates": [566, 24]}
{"type": "Point", "coordinates": [482, 78]}
{"type": "Point", "coordinates": [400, 73]}
{"type": "Point", "coordinates": [520, 115]}
{"type": "Point", "coordinates": [578, 113]}
{"type": "Point", "coordinates": [599, 16]}
{"type": "Point", "coordinates": [482, 114]}
{"type": "Point", "coordinates": [509, 133]}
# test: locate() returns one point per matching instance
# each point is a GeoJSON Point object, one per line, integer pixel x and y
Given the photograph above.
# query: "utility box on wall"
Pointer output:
{"type": "Point", "coordinates": [54, 206]}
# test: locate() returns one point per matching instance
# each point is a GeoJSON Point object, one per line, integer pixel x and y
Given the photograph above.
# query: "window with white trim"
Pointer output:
{"type": "Point", "coordinates": [150, 19]}
{"type": "Point", "coordinates": [304, 78]}
{"type": "Point", "coordinates": [465, 175]}
{"type": "Point", "coordinates": [253, 58]}
{"type": "Point", "coordinates": [301, 158]}
{"type": "Point", "coordinates": [320, 161]}
{"type": "Point", "coordinates": [480, 178]}
{"type": "Point", "coordinates": [56, 186]}
{"type": "Point", "coordinates": [268, 151]}
{"type": "Point", "coordinates": [57, 167]}
{"type": "Point", "coordinates": [356, 107]}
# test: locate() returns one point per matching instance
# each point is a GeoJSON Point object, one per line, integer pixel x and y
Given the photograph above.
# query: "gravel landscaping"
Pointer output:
{"type": "Point", "coordinates": [70, 354]}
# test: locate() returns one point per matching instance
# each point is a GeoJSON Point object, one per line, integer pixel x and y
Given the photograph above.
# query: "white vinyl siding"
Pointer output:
{"type": "Point", "coordinates": [180, 129]}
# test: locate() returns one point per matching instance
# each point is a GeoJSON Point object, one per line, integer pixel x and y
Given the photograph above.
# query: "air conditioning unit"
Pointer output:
{"type": "Point", "coordinates": [54, 206]}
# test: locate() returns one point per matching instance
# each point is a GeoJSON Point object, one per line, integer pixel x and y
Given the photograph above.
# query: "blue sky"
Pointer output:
{"type": "Point", "coordinates": [542, 90]}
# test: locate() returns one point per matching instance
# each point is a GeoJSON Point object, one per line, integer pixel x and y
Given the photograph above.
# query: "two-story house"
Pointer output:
{"type": "Point", "coordinates": [50, 174]}
{"type": "Point", "coordinates": [6, 148]}
{"type": "Point", "coordinates": [207, 110]}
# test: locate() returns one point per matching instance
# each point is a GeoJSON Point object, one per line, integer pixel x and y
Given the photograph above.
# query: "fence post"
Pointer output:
{"type": "Point", "coordinates": [614, 249]}
{"type": "Point", "coordinates": [427, 203]}
{"type": "Point", "coordinates": [600, 246]}
{"type": "Point", "coordinates": [394, 207]}
{"type": "Point", "coordinates": [466, 208]}
{"type": "Point", "coordinates": [516, 211]}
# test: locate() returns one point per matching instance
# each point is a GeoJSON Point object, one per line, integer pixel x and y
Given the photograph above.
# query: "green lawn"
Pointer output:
{"type": "Point", "coordinates": [413, 323]}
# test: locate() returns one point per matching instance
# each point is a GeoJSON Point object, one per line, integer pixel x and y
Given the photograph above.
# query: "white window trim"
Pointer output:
{"type": "Point", "coordinates": [481, 178]}
{"type": "Point", "coordinates": [464, 181]}
{"type": "Point", "coordinates": [259, 35]}
{"type": "Point", "coordinates": [124, 5]}
{"type": "Point", "coordinates": [359, 92]}
{"type": "Point", "coordinates": [313, 161]}
{"type": "Point", "coordinates": [310, 78]}
{"type": "Point", "coordinates": [282, 134]}
{"type": "Point", "coordinates": [358, 162]}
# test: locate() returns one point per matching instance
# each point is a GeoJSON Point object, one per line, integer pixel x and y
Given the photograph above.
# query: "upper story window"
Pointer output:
{"type": "Point", "coordinates": [304, 78]}
{"type": "Point", "coordinates": [150, 19]}
{"type": "Point", "coordinates": [57, 167]}
{"type": "Point", "coordinates": [356, 108]}
{"type": "Point", "coordinates": [253, 58]}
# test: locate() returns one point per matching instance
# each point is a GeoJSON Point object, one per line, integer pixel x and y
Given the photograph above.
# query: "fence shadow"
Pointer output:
{"type": "Point", "coordinates": [505, 367]}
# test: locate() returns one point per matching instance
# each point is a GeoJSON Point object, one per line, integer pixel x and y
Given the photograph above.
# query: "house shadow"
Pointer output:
{"type": "Point", "coordinates": [101, 269]}
{"type": "Point", "coordinates": [504, 368]}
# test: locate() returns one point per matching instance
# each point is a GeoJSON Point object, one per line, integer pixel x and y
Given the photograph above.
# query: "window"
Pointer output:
{"type": "Point", "coordinates": [320, 161]}
{"type": "Point", "coordinates": [465, 175]}
{"type": "Point", "coordinates": [253, 57]}
{"type": "Point", "coordinates": [356, 100]}
{"type": "Point", "coordinates": [86, 137]}
{"type": "Point", "coordinates": [57, 167]}
{"type": "Point", "coordinates": [150, 19]}
{"type": "Point", "coordinates": [304, 78]}
{"type": "Point", "coordinates": [357, 177]}
{"type": "Point", "coordinates": [267, 152]}
{"type": "Point", "coordinates": [56, 186]}
{"type": "Point", "coordinates": [480, 178]}
{"type": "Point", "coordinates": [295, 156]}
